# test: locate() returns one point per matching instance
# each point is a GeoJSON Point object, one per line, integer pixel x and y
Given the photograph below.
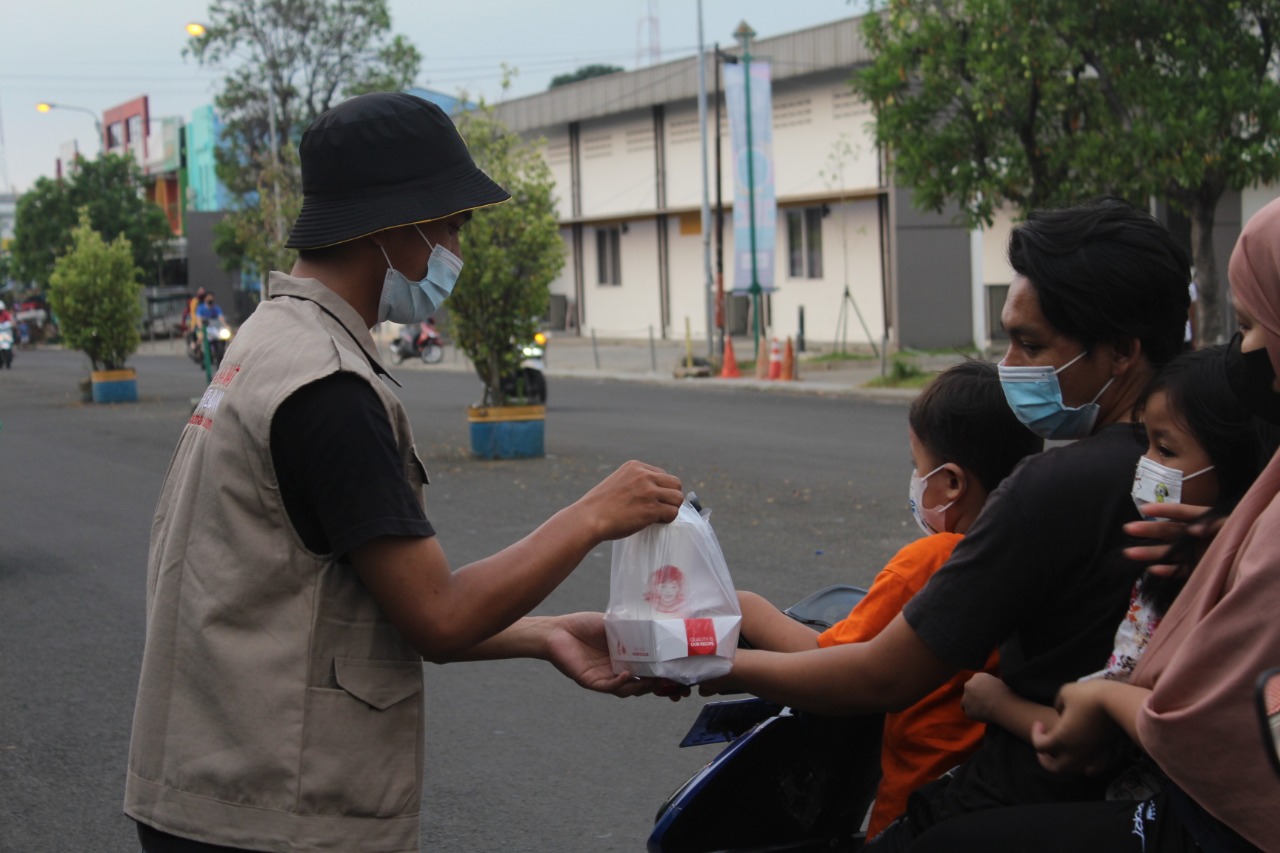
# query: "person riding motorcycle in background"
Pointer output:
{"type": "Point", "coordinates": [208, 310]}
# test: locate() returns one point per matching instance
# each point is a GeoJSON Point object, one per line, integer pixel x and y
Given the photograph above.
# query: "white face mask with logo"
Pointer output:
{"type": "Point", "coordinates": [930, 519]}
{"type": "Point", "coordinates": [405, 301]}
{"type": "Point", "coordinates": [1154, 483]}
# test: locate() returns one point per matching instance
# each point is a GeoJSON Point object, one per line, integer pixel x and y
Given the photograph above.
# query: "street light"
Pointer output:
{"type": "Point", "coordinates": [45, 106]}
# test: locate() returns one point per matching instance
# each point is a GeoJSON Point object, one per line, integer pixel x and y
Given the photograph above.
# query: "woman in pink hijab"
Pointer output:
{"type": "Point", "coordinates": [1189, 704]}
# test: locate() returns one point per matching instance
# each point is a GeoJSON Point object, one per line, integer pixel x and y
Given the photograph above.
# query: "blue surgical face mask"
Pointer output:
{"type": "Point", "coordinates": [1036, 399]}
{"type": "Point", "coordinates": [405, 301]}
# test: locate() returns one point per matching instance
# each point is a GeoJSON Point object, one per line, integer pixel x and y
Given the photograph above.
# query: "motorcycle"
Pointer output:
{"type": "Point", "coordinates": [219, 335]}
{"type": "Point", "coordinates": [6, 344]}
{"type": "Point", "coordinates": [529, 380]}
{"type": "Point", "coordinates": [406, 345]}
{"type": "Point", "coordinates": [787, 780]}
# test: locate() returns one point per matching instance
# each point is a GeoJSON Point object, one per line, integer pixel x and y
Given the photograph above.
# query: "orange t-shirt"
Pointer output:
{"type": "Point", "coordinates": [933, 735]}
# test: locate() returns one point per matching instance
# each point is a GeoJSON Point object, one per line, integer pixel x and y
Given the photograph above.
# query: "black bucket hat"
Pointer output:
{"type": "Point", "coordinates": [380, 161]}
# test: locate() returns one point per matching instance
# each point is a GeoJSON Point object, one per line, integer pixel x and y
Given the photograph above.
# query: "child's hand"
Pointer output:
{"type": "Point", "coordinates": [1084, 738]}
{"type": "Point", "coordinates": [983, 693]}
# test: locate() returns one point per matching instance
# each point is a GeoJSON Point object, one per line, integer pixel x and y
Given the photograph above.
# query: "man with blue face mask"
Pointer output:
{"type": "Point", "coordinates": [1097, 304]}
{"type": "Point", "coordinates": [295, 584]}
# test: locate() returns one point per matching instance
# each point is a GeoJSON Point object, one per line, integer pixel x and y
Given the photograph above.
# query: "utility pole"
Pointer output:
{"type": "Point", "coordinates": [744, 34]}
{"type": "Point", "coordinates": [721, 321]}
{"type": "Point", "coordinates": [706, 200]}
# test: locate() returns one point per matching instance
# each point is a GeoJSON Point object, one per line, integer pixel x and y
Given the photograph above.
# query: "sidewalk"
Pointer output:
{"type": "Point", "coordinates": [637, 360]}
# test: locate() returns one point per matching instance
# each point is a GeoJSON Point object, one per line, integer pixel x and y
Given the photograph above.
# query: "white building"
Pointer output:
{"type": "Point", "coordinates": [625, 153]}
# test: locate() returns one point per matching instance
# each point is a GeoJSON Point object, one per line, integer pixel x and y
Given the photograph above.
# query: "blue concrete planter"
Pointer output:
{"type": "Point", "coordinates": [114, 386]}
{"type": "Point", "coordinates": [507, 432]}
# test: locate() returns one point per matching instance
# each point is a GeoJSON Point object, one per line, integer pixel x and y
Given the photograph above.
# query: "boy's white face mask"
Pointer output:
{"type": "Point", "coordinates": [930, 519]}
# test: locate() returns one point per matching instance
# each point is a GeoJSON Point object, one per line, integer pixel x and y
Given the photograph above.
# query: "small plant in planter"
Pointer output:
{"type": "Point", "coordinates": [512, 252]}
{"type": "Point", "coordinates": [95, 292]}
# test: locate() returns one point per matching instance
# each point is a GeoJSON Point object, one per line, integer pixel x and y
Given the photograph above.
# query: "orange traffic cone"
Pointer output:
{"type": "Point", "coordinates": [729, 370]}
{"type": "Point", "coordinates": [788, 362]}
{"type": "Point", "coordinates": [775, 360]}
{"type": "Point", "coordinates": [762, 363]}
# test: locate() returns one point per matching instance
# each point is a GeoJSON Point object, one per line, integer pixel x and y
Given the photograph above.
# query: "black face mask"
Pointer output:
{"type": "Point", "coordinates": [1250, 376]}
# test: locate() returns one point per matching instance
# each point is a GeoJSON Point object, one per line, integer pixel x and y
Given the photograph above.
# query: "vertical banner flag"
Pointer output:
{"type": "Point", "coordinates": [761, 147]}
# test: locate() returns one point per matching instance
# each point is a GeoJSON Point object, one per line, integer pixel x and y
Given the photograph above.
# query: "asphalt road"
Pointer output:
{"type": "Point", "coordinates": [806, 490]}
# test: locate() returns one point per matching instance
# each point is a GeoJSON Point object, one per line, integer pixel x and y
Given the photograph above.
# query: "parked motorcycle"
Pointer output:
{"type": "Point", "coordinates": [406, 345]}
{"type": "Point", "coordinates": [787, 780]}
{"type": "Point", "coordinates": [219, 335]}
{"type": "Point", "coordinates": [529, 380]}
{"type": "Point", "coordinates": [6, 344]}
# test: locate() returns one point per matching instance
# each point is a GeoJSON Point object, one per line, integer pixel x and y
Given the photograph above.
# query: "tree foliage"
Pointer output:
{"type": "Point", "coordinates": [109, 190]}
{"type": "Point", "coordinates": [584, 73]}
{"type": "Point", "coordinates": [512, 252]}
{"type": "Point", "coordinates": [1036, 103]}
{"type": "Point", "coordinates": [247, 238]}
{"type": "Point", "coordinates": [303, 56]}
{"type": "Point", "coordinates": [95, 292]}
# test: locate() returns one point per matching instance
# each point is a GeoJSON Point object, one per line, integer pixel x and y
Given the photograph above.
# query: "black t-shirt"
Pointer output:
{"type": "Point", "coordinates": [1041, 575]}
{"type": "Point", "coordinates": [340, 474]}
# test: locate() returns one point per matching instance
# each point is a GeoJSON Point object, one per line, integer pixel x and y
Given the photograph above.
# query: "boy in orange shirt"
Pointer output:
{"type": "Point", "coordinates": [966, 439]}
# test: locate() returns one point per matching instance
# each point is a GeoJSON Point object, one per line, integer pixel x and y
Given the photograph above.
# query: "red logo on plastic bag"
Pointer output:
{"type": "Point", "coordinates": [701, 634]}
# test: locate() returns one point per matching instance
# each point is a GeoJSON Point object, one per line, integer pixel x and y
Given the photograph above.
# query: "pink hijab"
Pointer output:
{"type": "Point", "coordinates": [1199, 723]}
{"type": "Point", "coordinates": [1254, 272]}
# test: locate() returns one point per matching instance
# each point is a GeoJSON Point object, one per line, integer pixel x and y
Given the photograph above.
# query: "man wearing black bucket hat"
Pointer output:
{"type": "Point", "coordinates": [294, 582]}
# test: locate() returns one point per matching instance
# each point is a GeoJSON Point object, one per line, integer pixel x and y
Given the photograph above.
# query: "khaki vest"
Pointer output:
{"type": "Point", "coordinates": [278, 708]}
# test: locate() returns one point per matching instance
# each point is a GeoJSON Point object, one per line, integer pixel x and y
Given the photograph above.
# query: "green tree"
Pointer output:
{"type": "Point", "coordinates": [247, 238]}
{"type": "Point", "coordinates": [303, 56]}
{"type": "Point", "coordinates": [110, 190]}
{"type": "Point", "coordinates": [584, 73]}
{"type": "Point", "coordinates": [512, 251]}
{"type": "Point", "coordinates": [95, 292]}
{"type": "Point", "coordinates": [1035, 103]}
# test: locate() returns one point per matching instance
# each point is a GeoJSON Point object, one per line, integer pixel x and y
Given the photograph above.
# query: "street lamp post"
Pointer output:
{"type": "Point", "coordinates": [744, 34]}
{"type": "Point", "coordinates": [45, 106]}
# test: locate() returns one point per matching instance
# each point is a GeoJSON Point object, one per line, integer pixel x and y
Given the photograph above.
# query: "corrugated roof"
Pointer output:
{"type": "Point", "coordinates": [825, 47]}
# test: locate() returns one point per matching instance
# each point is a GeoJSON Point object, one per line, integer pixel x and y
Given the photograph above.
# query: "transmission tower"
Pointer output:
{"type": "Point", "coordinates": [648, 38]}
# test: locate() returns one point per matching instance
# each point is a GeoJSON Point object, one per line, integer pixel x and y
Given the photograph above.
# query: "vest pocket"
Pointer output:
{"type": "Point", "coordinates": [362, 741]}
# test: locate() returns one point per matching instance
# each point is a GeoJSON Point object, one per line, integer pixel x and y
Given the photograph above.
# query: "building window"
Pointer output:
{"type": "Point", "coordinates": [113, 135]}
{"type": "Point", "coordinates": [609, 254]}
{"type": "Point", "coordinates": [804, 242]}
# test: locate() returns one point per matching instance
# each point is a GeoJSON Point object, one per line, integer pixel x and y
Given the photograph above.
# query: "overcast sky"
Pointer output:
{"type": "Point", "coordinates": [96, 54]}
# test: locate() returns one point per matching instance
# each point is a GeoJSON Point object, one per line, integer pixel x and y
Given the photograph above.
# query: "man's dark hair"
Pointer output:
{"type": "Point", "coordinates": [963, 417]}
{"type": "Point", "coordinates": [324, 254]}
{"type": "Point", "coordinates": [1105, 272]}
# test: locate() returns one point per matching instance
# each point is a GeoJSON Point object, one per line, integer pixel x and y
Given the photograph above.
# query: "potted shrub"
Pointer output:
{"type": "Point", "coordinates": [96, 293]}
{"type": "Point", "coordinates": [512, 252]}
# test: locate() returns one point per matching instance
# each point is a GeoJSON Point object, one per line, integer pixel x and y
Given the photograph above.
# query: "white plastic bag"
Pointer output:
{"type": "Point", "coordinates": [673, 612]}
